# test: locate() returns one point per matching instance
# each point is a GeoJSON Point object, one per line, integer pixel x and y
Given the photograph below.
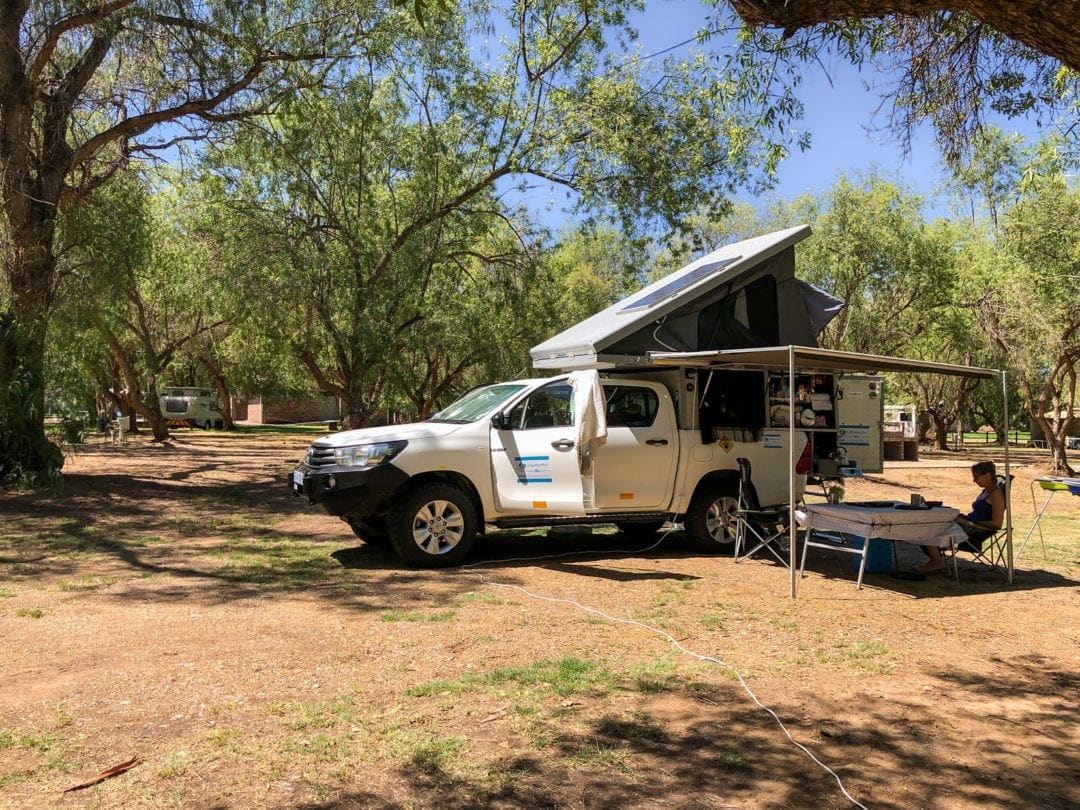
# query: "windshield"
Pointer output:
{"type": "Point", "coordinates": [476, 404]}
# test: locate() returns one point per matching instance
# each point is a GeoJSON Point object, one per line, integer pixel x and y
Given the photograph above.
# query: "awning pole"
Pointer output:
{"type": "Point", "coordinates": [792, 534]}
{"type": "Point", "coordinates": [1008, 480]}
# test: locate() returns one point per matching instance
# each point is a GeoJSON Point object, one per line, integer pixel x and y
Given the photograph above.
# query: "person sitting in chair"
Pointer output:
{"type": "Point", "coordinates": [986, 516]}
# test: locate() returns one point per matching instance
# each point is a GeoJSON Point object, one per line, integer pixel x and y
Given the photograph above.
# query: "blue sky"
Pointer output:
{"type": "Point", "coordinates": [839, 113]}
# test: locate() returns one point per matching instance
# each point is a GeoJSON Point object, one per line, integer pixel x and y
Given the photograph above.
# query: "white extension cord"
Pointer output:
{"type": "Point", "coordinates": [656, 631]}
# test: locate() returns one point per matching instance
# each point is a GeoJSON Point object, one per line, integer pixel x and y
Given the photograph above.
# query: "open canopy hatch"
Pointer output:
{"type": "Point", "coordinates": [742, 295]}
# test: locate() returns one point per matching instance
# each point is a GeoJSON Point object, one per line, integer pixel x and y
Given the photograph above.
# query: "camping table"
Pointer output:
{"type": "Point", "coordinates": [878, 520]}
{"type": "Point", "coordinates": [1051, 486]}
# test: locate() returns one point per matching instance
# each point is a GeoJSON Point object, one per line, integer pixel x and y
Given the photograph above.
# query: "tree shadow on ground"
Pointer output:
{"type": "Point", "coordinates": [701, 745]}
{"type": "Point", "coordinates": [974, 578]}
{"type": "Point", "coordinates": [241, 527]}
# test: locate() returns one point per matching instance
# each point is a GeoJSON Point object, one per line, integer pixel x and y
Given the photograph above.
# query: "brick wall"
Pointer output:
{"type": "Point", "coordinates": [284, 410]}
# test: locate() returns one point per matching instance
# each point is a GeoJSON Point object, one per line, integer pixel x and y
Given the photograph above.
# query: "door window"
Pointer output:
{"type": "Point", "coordinates": [550, 406]}
{"type": "Point", "coordinates": [631, 407]}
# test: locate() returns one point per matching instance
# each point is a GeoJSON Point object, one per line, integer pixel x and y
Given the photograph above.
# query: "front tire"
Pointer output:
{"type": "Point", "coordinates": [433, 526]}
{"type": "Point", "coordinates": [710, 519]}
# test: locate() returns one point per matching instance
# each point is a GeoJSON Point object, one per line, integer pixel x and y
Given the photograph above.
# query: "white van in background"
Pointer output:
{"type": "Point", "coordinates": [193, 407]}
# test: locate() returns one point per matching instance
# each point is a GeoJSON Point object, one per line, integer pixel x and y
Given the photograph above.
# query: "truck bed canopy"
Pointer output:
{"type": "Point", "coordinates": [803, 359]}
{"type": "Point", "coordinates": [742, 295]}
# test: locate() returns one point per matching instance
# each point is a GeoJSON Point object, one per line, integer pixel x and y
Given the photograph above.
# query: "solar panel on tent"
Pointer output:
{"type": "Point", "coordinates": [679, 284]}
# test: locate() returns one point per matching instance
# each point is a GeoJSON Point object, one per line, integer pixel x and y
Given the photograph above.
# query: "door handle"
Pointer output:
{"type": "Point", "coordinates": [656, 441]}
{"type": "Point", "coordinates": [562, 444]}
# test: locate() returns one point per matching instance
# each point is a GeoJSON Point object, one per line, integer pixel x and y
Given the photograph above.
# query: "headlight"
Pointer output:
{"type": "Point", "coordinates": [367, 455]}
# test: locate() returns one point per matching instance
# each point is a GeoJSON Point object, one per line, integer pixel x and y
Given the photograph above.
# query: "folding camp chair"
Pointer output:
{"type": "Point", "coordinates": [992, 550]}
{"type": "Point", "coordinates": [758, 528]}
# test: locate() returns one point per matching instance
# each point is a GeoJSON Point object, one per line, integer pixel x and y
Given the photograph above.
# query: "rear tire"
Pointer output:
{"type": "Point", "coordinates": [433, 526]}
{"type": "Point", "coordinates": [710, 519]}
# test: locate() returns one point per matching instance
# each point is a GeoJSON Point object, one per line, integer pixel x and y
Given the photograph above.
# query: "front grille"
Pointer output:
{"type": "Point", "coordinates": [318, 456]}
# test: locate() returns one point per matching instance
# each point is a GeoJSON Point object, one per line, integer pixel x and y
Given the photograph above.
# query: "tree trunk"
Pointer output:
{"type": "Point", "coordinates": [225, 397]}
{"type": "Point", "coordinates": [941, 432]}
{"type": "Point", "coordinates": [27, 457]}
{"type": "Point", "coordinates": [1055, 439]}
{"type": "Point", "coordinates": [222, 387]}
{"type": "Point", "coordinates": [1001, 437]}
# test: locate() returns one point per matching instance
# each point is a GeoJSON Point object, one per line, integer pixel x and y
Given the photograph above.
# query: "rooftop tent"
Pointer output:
{"type": "Point", "coordinates": [743, 295]}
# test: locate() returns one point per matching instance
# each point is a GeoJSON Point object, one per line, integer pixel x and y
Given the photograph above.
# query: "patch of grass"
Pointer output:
{"type": "Point", "coordinates": [595, 756]}
{"type": "Point", "coordinates": [323, 714]}
{"type": "Point", "coordinates": [61, 718]}
{"type": "Point", "coordinates": [6, 594]}
{"type": "Point", "coordinates": [784, 624]}
{"type": "Point", "coordinates": [225, 741]}
{"type": "Point", "coordinates": [416, 616]}
{"type": "Point", "coordinates": [318, 747]}
{"type": "Point", "coordinates": [485, 598]}
{"type": "Point", "coordinates": [565, 677]}
{"type": "Point", "coordinates": [87, 582]}
{"type": "Point", "coordinates": [433, 756]}
{"type": "Point", "coordinates": [45, 744]}
{"type": "Point", "coordinates": [25, 569]}
{"type": "Point", "coordinates": [285, 564]}
{"type": "Point", "coordinates": [173, 768]}
{"type": "Point", "coordinates": [468, 683]}
{"type": "Point", "coordinates": [30, 613]}
{"type": "Point", "coordinates": [725, 613]}
{"type": "Point", "coordinates": [731, 758]}
{"type": "Point", "coordinates": [871, 656]}
{"type": "Point", "coordinates": [653, 677]}
{"type": "Point", "coordinates": [874, 656]}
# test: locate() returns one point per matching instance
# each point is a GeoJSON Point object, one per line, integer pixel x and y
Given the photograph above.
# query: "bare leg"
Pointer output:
{"type": "Point", "coordinates": [935, 563]}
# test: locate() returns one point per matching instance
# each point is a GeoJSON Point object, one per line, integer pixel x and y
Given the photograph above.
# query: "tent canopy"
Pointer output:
{"type": "Point", "coordinates": [742, 295]}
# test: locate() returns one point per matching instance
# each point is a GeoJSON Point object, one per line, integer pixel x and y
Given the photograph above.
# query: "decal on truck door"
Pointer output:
{"type": "Point", "coordinates": [535, 464]}
{"type": "Point", "coordinates": [533, 469]}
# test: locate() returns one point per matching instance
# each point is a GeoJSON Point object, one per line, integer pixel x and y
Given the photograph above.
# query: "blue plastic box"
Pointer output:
{"type": "Point", "coordinates": [878, 559]}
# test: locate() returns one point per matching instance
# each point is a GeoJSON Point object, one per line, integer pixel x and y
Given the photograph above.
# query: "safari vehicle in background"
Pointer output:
{"type": "Point", "coordinates": [634, 432]}
{"type": "Point", "coordinates": [191, 407]}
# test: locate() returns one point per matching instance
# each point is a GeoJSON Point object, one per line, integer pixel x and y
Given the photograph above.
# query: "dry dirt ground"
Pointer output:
{"type": "Point", "coordinates": [178, 605]}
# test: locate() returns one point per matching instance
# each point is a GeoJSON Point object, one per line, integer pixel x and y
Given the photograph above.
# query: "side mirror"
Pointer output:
{"type": "Point", "coordinates": [500, 421]}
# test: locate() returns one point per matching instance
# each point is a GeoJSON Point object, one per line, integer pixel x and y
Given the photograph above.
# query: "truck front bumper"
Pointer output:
{"type": "Point", "coordinates": [347, 491]}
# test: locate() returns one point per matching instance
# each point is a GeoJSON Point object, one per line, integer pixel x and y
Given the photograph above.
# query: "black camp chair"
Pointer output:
{"type": "Point", "coordinates": [991, 550]}
{"type": "Point", "coordinates": [758, 528]}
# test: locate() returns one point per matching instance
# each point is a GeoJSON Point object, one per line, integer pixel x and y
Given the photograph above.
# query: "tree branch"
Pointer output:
{"type": "Point", "coordinates": [1047, 27]}
{"type": "Point", "coordinates": [52, 36]}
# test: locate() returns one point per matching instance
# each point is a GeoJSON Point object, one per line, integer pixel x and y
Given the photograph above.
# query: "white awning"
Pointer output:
{"type": "Point", "coordinates": [808, 358]}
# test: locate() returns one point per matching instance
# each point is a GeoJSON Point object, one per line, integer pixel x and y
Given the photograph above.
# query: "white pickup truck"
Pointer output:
{"type": "Point", "coordinates": [512, 455]}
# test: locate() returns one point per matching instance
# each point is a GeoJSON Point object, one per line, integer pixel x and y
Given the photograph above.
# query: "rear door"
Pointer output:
{"type": "Point", "coordinates": [860, 414]}
{"type": "Point", "coordinates": [535, 463]}
{"type": "Point", "coordinates": [634, 468]}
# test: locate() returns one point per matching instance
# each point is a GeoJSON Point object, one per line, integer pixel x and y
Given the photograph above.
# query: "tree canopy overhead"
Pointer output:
{"type": "Point", "coordinates": [951, 64]}
{"type": "Point", "coordinates": [1044, 26]}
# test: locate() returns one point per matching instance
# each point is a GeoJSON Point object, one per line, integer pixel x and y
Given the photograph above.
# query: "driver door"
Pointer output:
{"type": "Point", "coordinates": [535, 464]}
